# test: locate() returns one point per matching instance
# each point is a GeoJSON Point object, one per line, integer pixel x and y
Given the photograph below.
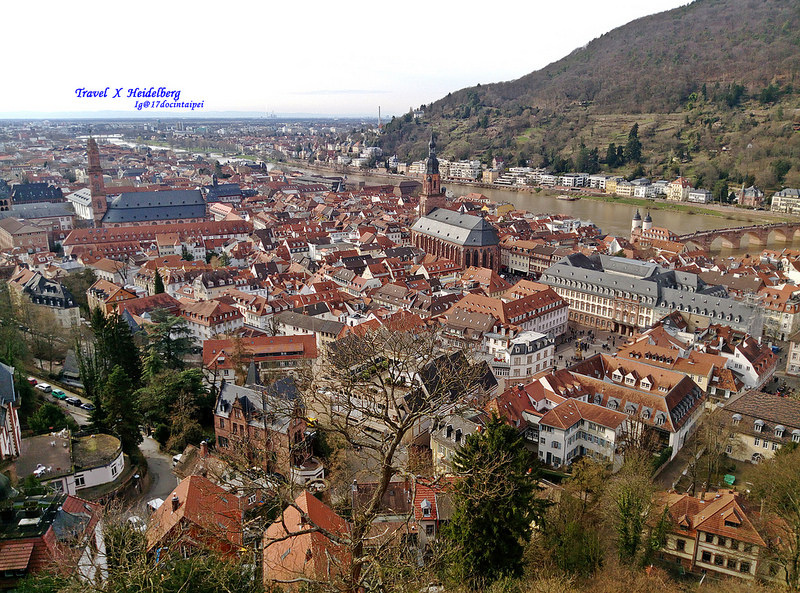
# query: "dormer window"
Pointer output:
{"type": "Point", "coordinates": [735, 419]}
{"type": "Point", "coordinates": [425, 505]}
{"type": "Point", "coordinates": [660, 419]}
{"type": "Point", "coordinates": [758, 425]}
{"type": "Point", "coordinates": [779, 430]}
{"type": "Point", "coordinates": [796, 436]}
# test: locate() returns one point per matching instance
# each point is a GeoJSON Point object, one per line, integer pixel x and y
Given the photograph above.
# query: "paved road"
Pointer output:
{"type": "Point", "coordinates": [159, 465]}
{"type": "Point", "coordinates": [162, 480]}
{"type": "Point", "coordinates": [81, 416]}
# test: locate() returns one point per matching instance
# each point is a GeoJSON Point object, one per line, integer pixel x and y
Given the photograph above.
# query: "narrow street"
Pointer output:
{"type": "Point", "coordinates": [159, 466]}
{"type": "Point", "coordinates": [161, 479]}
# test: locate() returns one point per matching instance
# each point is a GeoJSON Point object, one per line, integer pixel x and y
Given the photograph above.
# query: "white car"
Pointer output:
{"type": "Point", "coordinates": [44, 387]}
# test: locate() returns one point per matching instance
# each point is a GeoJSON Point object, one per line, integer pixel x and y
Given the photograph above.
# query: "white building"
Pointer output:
{"type": "Point", "coordinates": [576, 428]}
{"type": "Point", "coordinates": [699, 196]}
{"type": "Point", "coordinates": [69, 464]}
{"type": "Point", "coordinates": [81, 201]}
{"type": "Point", "coordinates": [465, 169]}
{"type": "Point", "coordinates": [519, 358]}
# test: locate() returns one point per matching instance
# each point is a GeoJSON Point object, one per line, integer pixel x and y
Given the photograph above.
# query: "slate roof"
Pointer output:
{"type": "Point", "coordinates": [216, 192]}
{"type": "Point", "coordinates": [271, 407]}
{"type": "Point", "coordinates": [36, 192]}
{"type": "Point", "coordinates": [35, 210]}
{"type": "Point", "coordinates": [462, 229]}
{"type": "Point", "coordinates": [7, 393]}
{"type": "Point", "coordinates": [309, 323]}
{"type": "Point", "coordinates": [774, 410]}
{"type": "Point", "coordinates": [156, 205]}
{"type": "Point", "coordinates": [48, 292]}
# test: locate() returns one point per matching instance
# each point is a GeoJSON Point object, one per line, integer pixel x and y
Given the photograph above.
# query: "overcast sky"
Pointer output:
{"type": "Point", "coordinates": [324, 57]}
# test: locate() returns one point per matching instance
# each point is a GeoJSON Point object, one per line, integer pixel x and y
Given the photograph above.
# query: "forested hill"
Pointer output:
{"type": "Point", "coordinates": [719, 68]}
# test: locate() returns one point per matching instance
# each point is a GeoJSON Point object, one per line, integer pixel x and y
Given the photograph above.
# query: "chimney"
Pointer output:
{"type": "Point", "coordinates": [204, 449]}
{"type": "Point", "coordinates": [175, 502]}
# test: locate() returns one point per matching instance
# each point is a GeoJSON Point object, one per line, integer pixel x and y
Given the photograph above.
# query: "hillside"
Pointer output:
{"type": "Point", "coordinates": [713, 86]}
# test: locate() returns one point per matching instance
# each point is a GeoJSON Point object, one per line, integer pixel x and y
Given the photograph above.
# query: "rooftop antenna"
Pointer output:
{"type": "Point", "coordinates": [379, 117]}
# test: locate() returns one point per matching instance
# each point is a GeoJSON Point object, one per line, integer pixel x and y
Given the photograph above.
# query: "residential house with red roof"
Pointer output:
{"type": "Point", "coordinates": [713, 533]}
{"type": "Point", "coordinates": [309, 542]}
{"type": "Point", "coordinates": [197, 515]}
{"type": "Point", "coordinates": [208, 319]}
{"type": "Point", "coordinates": [107, 296]}
{"type": "Point", "coordinates": [57, 532]}
{"type": "Point", "coordinates": [575, 428]}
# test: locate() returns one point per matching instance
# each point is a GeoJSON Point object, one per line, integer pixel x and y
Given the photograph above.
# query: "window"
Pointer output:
{"type": "Point", "coordinates": [756, 441]}
{"type": "Point", "coordinates": [80, 480]}
{"type": "Point", "coordinates": [113, 471]}
{"type": "Point", "coordinates": [252, 499]}
{"type": "Point", "coordinates": [429, 530]}
{"type": "Point", "coordinates": [555, 445]}
{"type": "Point", "coordinates": [744, 567]}
{"type": "Point", "coordinates": [706, 557]}
{"type": "Point", "coordinates": [680, 545]}
{"type": "Point", "coordinates": [709, 537]}
{"type": "Point", "coordinates": [222, 423]}
{"type": "Point", "coordinates": [719, 560]}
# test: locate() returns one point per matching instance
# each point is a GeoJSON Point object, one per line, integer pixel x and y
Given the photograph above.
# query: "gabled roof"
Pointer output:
{"type": "Point", "coordinates": [721, 513]}
{"type": "Point", "coordinates": [309, 551]}
{"type": "Point", "coordinates": [462, 229]}
{"type": "Point", "coordinates": [200, 503]}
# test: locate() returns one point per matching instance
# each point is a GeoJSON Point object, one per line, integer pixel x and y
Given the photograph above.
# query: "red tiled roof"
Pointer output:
{"type": "Point", "coordinates": [15, 555]}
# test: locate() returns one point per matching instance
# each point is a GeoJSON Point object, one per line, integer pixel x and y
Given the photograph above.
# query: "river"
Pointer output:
{"type": "Point", "coordinates": [614, 219]}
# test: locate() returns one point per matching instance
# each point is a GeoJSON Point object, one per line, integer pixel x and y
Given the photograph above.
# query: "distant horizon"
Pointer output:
{"type": "Point", "coordinates": [152, 115]}
{"type": "Point", "coordinates": [325, 60]}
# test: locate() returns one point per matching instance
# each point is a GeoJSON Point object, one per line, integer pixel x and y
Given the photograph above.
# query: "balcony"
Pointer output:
{"type": "Point", "coordinates": [312, 469]}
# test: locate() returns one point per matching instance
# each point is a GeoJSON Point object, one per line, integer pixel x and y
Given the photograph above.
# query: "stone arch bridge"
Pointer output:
{"type": "Point", "coordinates": [732, 238]}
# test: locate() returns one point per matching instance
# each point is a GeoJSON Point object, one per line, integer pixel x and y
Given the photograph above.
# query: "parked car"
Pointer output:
{"type": "Point", "coordinates": [58, 394]}
{"type": "Point", "coordinates": [73, 401]}
{"type": "Point", "coordinates": [44, 387]}
{"type": "Point", "coordinates": [32, 381]}
{"type": "Point", "coordinates": [89, 407]}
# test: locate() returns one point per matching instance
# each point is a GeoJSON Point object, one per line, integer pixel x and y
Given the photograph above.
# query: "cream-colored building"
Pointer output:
{"type": "Point", "coordinates": [760, 424]}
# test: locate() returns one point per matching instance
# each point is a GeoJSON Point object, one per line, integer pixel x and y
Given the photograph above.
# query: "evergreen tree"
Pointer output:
{"type": "Point", "coordinates": [633, 148]}
{"type": "Point", "coordinates": [582, 158]}
{"type": "Point", "coordinates": [594, 161]}
{"type": "Point", "coordinates": [121, 409]}
{"type": "Point", "coordinates": [158, 284]}
{"type": "Point", "coordinates": [168, 335]}
{"type": "Point", "coordinates": [494, 505]}
{"type": "Point", "coordinates": [611, 155]}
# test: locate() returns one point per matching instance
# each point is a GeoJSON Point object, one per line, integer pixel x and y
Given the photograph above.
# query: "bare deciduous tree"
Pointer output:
{"type": "Point", "coordinates": [375, 395]}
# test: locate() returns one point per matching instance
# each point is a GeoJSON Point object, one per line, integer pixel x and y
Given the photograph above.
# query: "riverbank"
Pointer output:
{"type": "Point", "coordinates": [720, 211]}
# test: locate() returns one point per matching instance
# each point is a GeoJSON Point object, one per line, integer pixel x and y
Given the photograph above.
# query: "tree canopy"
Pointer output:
{"type": "Point", "coordinates": [494, 504]}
